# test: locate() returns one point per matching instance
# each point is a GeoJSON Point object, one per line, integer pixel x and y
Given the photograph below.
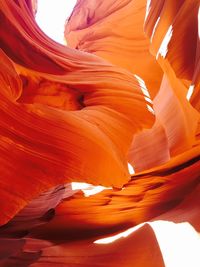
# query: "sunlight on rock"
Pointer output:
{"type": "Point", "coordinates": [190, 92]}
{"type": "Point", "coordinates": [154, 29]}
{"type": "Point", "coordinates": [148, 8]}
{"type": "Point", "coordinates": [145, 92]}
{"type": "Point", "coordinates": [113, 238]}
{"type": "Point", "coordinates": [130, 169]}
{"type": "Point", "coordinates": [164, 45]}
{"type": "Point", "coordinates": [175, 243]}
{"type": "Point", "coordinates": [88, 189]}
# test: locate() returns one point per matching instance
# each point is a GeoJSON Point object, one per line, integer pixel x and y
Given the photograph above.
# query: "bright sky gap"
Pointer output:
{"type": "Point", "coordinates": [51, 16]}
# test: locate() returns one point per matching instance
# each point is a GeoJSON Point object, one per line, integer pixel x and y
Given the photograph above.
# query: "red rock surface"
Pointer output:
{"type": "Point", "coordinates": [128, 92]}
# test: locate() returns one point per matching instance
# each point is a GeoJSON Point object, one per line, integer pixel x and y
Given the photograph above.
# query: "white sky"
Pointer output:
{"type": "Point", "coordinates": [51, 16]}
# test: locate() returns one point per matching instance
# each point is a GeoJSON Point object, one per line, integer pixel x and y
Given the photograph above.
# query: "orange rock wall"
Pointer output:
{"type": "Point", "coordinates": [125, 89]}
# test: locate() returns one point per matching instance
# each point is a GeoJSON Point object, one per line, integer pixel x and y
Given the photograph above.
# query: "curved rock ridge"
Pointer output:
{"type": "Point", "coordinates": [114, 30]}
{"type": "Point", "coordinates": [62, 95]}
{"type": "Point", "coordinates": [124, 90]}
{"type": "Point", "coordinates": [126, 44]}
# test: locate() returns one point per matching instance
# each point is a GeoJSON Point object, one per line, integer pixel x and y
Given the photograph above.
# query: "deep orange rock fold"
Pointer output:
{"type": "Point", "coordinates": [125, 89]}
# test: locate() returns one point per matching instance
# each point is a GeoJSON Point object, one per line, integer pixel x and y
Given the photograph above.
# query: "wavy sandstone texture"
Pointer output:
{"type": "Point", "coordinates": [126, 89]}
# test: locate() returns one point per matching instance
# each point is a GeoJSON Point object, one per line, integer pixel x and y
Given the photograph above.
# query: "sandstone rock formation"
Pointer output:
{"type": "Point", "coordinates": [125, 89]}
